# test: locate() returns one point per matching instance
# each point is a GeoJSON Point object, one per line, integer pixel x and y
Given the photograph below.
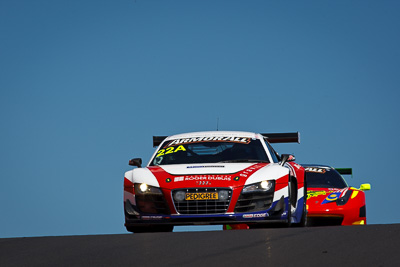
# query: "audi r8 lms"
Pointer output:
{"type": "Point", "coordinates": [330, 201]}
{"type": "Point", "coordinates": [220, 177]}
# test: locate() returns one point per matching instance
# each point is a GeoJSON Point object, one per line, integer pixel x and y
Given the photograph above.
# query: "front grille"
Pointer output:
{"type": "Point", "coordinates": [254, 201]}
{"type": "Point", "coordinates": [324, 221]}
{"type": "Point", "coordinates": [202, 206]}
{"type": "Point", "coordinates": [152, 204]}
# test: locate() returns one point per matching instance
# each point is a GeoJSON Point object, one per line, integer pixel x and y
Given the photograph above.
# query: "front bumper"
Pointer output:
{"type": "Point", "coordinates": [337, 216]}
{"type": "Point", "coordinates": [277, 213]}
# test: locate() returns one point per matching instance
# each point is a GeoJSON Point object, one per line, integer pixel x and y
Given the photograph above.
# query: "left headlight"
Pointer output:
{"type": "Point", "coordinates": [262, 186]}
{"type": "Point", "coordinates": [144, 188]}
{"type": "Point", "coordinates": [343, 200]}
{"type": "Point", "coordinates": [150, 199]}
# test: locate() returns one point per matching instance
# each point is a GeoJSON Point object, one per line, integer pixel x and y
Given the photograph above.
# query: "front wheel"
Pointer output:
{"type": "Point", "coordinates": [289, 204]}
{"type": "Point", "coordinates": [289, 216]}
{"type": "Point", "coordinates": [303, 221]}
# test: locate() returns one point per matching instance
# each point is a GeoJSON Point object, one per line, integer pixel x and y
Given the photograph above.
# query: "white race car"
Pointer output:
{"type": "Point", "coordinates": [218, 177]}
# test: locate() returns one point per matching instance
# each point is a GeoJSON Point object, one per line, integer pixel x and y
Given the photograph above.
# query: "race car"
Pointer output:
{"type": "Point", "coordinates": [216, 177]}
{"type": "Point", "coordinates": [330, 201]}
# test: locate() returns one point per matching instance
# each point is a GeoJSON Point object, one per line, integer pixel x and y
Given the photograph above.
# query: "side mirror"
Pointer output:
{"type": "Point", "coordinates": [365, 187]}
{"type": "Point", "coordinates": [136, 162]}
{"type": "Point", "coordinates": [287, 158]}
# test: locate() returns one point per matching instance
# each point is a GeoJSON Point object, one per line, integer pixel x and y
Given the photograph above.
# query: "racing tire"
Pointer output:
{"type": "Point", "coordinates": [289, 213]}
{"type": "Point", "coordinates": [289, 209]}
{"type": "Point", "coordinates": [150, 229]}
{"type": "Point", "coordinates": [303, 220]}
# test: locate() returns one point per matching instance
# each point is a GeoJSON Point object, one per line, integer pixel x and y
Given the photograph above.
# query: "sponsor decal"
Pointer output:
{"type": "Point", "coordinates": [249, 171]}
{"type": "Point", "coordinates": [242, 140]}
{"type": "Point", "coordinates": [202, 178]}
{"type": "Point", "coordinates": [255, 215]}
{"type": "Point", "coordinates": [151, 217]}
{"type": "Point", "coordinates": [317, 170]}
{"type": "Point", "coordinates": [237, 178]}
{"type": "Point", "coordinates": [179, 179]}
{"type": "Point", "coordinates": [201, 196]}
{"type": "Point", "coordinates": [332, 197]}
{"type": "Point", "coordinates": [168, 180]}
{"type": "Point", "coordinates": [211, 166]}
{"type": "Point", "coordinates": [207, 177]}
{"type": "Point", "coordinates": [203, 183]}
{"type": "Point", "coordinates": [311, 194]}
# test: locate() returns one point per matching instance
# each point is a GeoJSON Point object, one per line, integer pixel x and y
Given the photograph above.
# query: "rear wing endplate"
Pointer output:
{"type": "Point", "coordinates": [282, 137]}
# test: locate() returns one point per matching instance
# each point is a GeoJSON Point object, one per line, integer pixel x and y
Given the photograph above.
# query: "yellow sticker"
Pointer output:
{"type": "Point", "coordinates": [315, 193]}
{"type": "Point", "coordinates": [354, 194]}
{"type": "Point", "coordinates": [180, 148]}
{"type": "Point", "coordinates": [170, 150]}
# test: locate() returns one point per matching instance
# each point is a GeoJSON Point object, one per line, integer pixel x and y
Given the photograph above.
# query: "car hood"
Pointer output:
{"type": "Point", "coordinates": [207, 175]}
{"type": "Point", "coordinates": [216, 168]}
{"type": "Point", "coordinates": [324, 196]}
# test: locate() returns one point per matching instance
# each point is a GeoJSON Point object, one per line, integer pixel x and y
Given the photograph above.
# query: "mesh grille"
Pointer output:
{"type": "Point", "coordinates": [202, 206]}
{"type": "Point", "coordinates": [256, 201]}
{"type": "Point", "coordinates": [152, 204]}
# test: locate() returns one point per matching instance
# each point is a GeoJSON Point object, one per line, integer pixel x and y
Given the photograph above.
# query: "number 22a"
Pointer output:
{"type": "Point", "coordinates": [170, 150]}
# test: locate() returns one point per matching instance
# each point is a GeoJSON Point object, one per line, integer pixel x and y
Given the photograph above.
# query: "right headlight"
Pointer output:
{"type": "Point", "coordinates": [144, 188]}
{"type": "Point", "coordinates": [262, 186]}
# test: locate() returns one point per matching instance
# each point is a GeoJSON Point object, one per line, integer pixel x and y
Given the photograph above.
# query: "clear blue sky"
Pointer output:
{"type": "Point", "coordinates": [84, 85]}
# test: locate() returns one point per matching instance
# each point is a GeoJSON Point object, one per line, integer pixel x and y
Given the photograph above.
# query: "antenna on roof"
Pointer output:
{"type": "Point", "coordinates": [217, 122]}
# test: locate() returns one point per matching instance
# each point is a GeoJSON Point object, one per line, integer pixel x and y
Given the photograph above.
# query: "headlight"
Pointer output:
{"type": "Point", "coordinates": [144, 188]}
{"type": "Point", "coordinates": [343, 200]}
{"type": "Point", "coordinates": [260, 187]}
{"type": "Point", "coordinates": [266, 185]}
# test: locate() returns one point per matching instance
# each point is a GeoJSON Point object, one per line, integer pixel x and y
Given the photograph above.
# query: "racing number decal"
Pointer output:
{"type": "Point", "coordinates": [166, 151]}
{"type": "Point", "coordinates": [170, 150]}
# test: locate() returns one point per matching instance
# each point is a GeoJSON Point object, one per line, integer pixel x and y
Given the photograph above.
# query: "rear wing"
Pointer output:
{"type": "Point", "coordinates": [345, 171]}
{"type": "Point", "coordinates": [271, 137]}
{"type": "Point", "coordinates": [282, 137]}
{"type": "Point", "coordinates": [157, 140]}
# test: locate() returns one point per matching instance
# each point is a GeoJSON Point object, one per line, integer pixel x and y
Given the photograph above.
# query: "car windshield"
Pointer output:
{"type": "Point", "coordinates": [223, 149]}
{"type": "Point", "coordinates": [324, 178]}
